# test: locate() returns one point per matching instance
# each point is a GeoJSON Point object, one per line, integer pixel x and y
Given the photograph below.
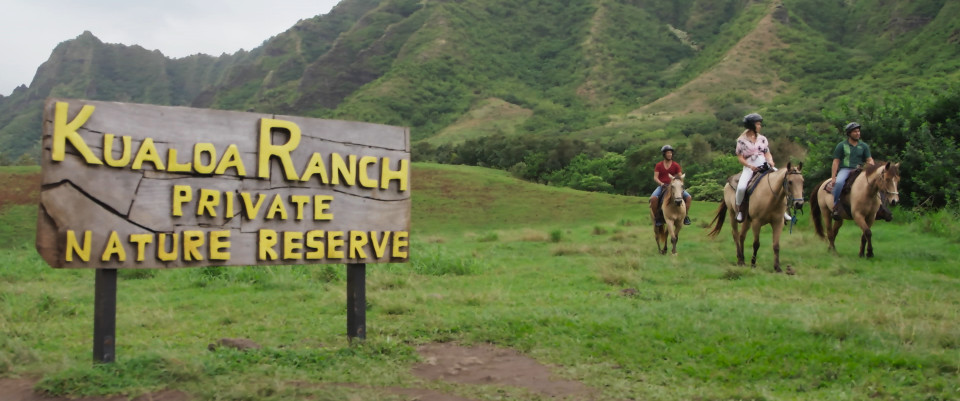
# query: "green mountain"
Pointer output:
{"type": "Point", "coordinates": [632, 71]}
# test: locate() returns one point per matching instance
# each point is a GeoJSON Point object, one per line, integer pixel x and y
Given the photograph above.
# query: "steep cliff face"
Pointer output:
{"type": "Point", "coordinates": [580, 67]}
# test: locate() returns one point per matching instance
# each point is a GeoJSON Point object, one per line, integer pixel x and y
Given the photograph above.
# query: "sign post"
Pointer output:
{"type": "Point", "coordinates": [132, 186]}
{"type": "Point", "coordinates": [105, 316]}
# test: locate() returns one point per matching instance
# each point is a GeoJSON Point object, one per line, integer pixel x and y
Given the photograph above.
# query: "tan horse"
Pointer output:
{"type": "Point", "coordinates": [674, 210]}
{"type": "Point", "coordinates": [767, 205]}
{"type": "Point", "coordinates": [864, 201]}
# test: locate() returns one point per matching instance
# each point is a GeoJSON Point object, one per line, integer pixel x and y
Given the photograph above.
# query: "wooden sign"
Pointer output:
{"type": "Point", "coordinates": [141, 186]}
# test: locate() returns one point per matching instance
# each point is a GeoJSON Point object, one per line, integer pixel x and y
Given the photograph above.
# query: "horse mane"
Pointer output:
{"type": "Point", "coordinates": [872, 168]}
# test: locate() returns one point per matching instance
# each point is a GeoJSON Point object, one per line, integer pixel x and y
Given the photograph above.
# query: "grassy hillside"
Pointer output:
{"type": "Point", "coordinates": [598, 69]}
{"type": "Point", "coordinates": [568, 278]}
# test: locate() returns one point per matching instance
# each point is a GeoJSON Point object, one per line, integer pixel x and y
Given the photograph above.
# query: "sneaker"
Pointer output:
{"type": "Point", "coordinates": [787, 217]}
{"type": "Point", "coordinates": [836, 214]}
{"type": "Point", "coordinates": [659, 223]}
{"type": "Point", "coordinates": [686, 221]}
{"type": "Point", "coordinates": [739, 217]}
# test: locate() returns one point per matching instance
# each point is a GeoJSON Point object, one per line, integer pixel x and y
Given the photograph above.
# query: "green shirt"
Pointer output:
{"type": "Point", "coordinates": [851, 156]}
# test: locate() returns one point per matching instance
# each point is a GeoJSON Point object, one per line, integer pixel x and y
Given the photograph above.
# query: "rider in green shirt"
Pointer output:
{"type": "Point", "coordinates": [847, 156]}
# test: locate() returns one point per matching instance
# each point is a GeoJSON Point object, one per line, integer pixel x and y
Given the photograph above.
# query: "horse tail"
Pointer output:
{"type": "Point", "coordinates": [718, 219]}
{"type": "Point", "coordinates": [815, 212]}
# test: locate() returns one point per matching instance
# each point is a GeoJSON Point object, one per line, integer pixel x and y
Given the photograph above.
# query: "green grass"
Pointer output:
{"type": "Point", "coordinates": [531, 267]}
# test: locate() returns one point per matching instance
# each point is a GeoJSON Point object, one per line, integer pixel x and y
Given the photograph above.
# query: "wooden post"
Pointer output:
{"type": "Point", "coordinates": [356, 301]}
{"type": "Point", "coordinates": [105, 316]}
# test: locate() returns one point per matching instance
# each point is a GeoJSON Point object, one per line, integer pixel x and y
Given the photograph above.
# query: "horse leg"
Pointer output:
{"type": "Point", "coordinates": [674, 238]}
{"type": "Point", "coordinates": [832, 231]}
{"type": "Point", "coordinates": [756, 244]}
{"type": "Point", "coordinates": [866, 240]}
{"type": "Point", "coordinates": [737, 240]}
{"type": "Point", "coordinates": [777, 229]}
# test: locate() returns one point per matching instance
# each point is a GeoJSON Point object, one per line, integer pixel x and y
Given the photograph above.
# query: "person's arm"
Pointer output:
{"type": "Point", "coordinates": [743, 161]}
{"type": "Point", "coordinates": [656, 178]}
{"type": "Point", "coordinates": [769, 158]}
{"type": "Point", "coordinates": [833, 171]}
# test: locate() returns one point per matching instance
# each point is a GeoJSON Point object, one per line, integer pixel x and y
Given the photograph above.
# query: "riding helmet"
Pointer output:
{"type": "Point", "coordinates": [665, 148]}
{"type": "Point", "coordinates": [750, 120]}
{"type": "Point", "coordinates": [850, 127]}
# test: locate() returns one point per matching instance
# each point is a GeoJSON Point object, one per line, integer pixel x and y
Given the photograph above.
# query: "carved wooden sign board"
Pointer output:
{"type": "Point", "coordinates": [141, 186]}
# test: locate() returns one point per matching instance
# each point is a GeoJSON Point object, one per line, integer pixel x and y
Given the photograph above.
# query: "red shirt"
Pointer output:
{"type": "Point", "coordinates": [663, 173]}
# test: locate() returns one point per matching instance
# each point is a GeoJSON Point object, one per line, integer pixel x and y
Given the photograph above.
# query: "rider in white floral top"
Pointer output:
{"type": "Point", "coordinates": [753, 150]}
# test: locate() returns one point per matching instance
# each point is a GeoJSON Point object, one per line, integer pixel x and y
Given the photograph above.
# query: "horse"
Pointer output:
{"type": "Point", "coordinates": [674, 211]}
{"type": "Point", "coordinates": [767, 205]}
{"type": "Point", "coordinates": [876, 184]}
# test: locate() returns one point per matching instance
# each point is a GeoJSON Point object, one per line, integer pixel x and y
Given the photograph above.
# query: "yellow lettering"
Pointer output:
{"type": "Point", "coordinates": [399, 241]}
{"type": "Point", "coordinates": [114, 247]}
{"type": "Point", "coordinates": [209, 200]}
{"type": "Point", "coordinates": [387, 175]}
{"type": "Point", "coordinates": [231, 158]}
{"type": "Point", "coordinates": [192, 241]}
{"type": "Point", "coordinates": [162, 253]}
{"type": "Point", "coordinates": [64, 131]}
{"type": "Point", "coordinates": [292, 244]}
{"type": "Point", "coordinates": [181, 195]}
{"type": "Point", "coordinates": [108, 151]}
{"type": "Point", "coordinates": [365, 180]}
{"type": "Point", "coordinates": [277, 207]}
{"type": "Point", "coordinates": [198, 150]}
{"type": "Point", "coordinates": [229, 198]}
{"type": "Point", "coordinates": [219, 243]}
{"type": "Point", "coordinates": [251, 209]}
{"type": "Point", "coordinates": [299, 200]}
{"type": "Point", "coordinates": [141, 240]}
{"type": "Point", "coordinates": [315, 166]}
{"type": "Point", "coordinates": [335, 245]}
{"type": "Point", "coordinates": [173, 164]}
{"type": "Point", "coordinates": [315, 241]}
{"type": "Point", "coordinates": [379, 248]}
{"type": "Point", "coordinates": [268, 149]}
{"type": "Point", "coordinates": [268, 239]}
{"type": "Point", "coordinates": [340, 169]}
{"type": "Point", "coordinates": [320, 204]}
{"type": "Point", "coordinates": [357, 240]}
{"type": "Point", "coordinates": [147, 153]}
{"type": "Point", "coordinates": [82, 251]}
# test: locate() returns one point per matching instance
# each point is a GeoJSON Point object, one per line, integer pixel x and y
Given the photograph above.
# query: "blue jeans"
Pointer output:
{"type": "Point", "coordinates": [659, 191]}
{"type": "Point", "coordinates": [842, 175]}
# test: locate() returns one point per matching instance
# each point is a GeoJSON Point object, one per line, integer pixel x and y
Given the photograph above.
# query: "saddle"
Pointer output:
{"type": "Point", "coordinates": [733, 180]}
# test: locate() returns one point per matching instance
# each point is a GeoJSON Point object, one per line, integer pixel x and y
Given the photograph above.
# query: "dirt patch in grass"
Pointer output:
{"type": "Point", "coordinates": [19, 189]}
{"type": "Point", "coordinates": [484, 364]}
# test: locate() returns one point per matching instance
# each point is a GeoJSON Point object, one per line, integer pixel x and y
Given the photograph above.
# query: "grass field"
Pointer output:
{"type": "Point", "coordinates": [569, 278]}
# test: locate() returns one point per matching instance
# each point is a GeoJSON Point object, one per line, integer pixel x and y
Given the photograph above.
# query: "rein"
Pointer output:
{"type": "Point", "coordinates": [792, 202]}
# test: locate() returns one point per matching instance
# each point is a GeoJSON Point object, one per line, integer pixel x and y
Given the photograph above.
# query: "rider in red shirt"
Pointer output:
{"type": "Point", "coordinates": [661, 174]}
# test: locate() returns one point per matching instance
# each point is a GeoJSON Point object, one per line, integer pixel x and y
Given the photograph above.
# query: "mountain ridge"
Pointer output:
{"type": "Point", "coordinates": [602, 69]}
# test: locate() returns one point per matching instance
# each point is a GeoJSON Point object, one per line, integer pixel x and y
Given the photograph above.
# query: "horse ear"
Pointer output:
{"type": "Point", "coordinates": [800, 166]}
{"type": "Point", "coordinates": [789, 166]}
{"type": "Point", "coordinates": [682, 175]}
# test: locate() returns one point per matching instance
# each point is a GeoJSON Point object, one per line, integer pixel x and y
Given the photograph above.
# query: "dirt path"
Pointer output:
{"type": "Point", "coordinates": [477, 365]}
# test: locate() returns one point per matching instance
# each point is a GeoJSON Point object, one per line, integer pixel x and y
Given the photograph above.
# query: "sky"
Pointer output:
{"type": "Point", "coordinates": [31, 29]}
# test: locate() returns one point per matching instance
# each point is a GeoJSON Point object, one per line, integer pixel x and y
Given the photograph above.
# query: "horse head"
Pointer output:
{"type": "Point", "coordinates": [793, 183]}
{"type": "Point", "coordinates": [890, 182]}
{"type": "Point", "coordinates": [676, 188]}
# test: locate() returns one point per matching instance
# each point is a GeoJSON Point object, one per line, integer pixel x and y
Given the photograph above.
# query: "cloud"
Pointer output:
{"type": "Point", "coordinates": [30, 29]}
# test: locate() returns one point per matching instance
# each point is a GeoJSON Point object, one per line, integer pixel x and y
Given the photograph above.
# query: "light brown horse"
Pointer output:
{"type": "Point", "coordinates": [880, 179]}
{"type": "Point", "coordinates": [767, 205]}
{"type": "Point", "coordinates": [674, 210]}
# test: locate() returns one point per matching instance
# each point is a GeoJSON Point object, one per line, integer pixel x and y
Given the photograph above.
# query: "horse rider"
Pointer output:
{"type": "Point", "coordinates": [847, 156]}
{"type": "Point", "coordinates": [662, 175]}
{"type": "Point", "coordinates": [753, 151]}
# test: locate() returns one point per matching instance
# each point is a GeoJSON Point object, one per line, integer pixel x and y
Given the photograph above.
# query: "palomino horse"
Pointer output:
{"type": "Point", "coordinates": [864, 200]}
{"type": "Point", "coordinates": [674, 210]}
{"type": "Point", "coordinates": [767, 205]}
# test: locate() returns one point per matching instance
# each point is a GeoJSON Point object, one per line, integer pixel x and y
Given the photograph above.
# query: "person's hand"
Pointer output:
{"type": "Point", "coordinates": [754, 168]}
